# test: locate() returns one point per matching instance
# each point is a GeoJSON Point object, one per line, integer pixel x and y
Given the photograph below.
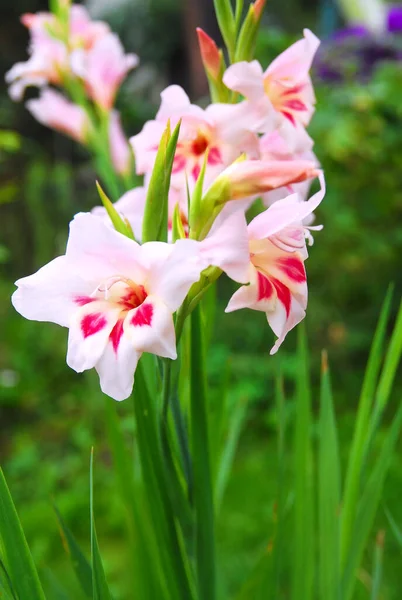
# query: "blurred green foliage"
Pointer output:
{"type": "Point", "coordinates": [50, 416]}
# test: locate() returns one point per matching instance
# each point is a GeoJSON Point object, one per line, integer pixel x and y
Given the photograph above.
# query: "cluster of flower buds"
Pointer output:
{"type": "Point", "coordinates": [130, 266]}
{"type": "Point", "coordinates": [86, 60]}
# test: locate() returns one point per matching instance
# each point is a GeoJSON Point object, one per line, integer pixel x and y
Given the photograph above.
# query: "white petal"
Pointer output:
{"type": "Point", "coordinates": [90, 328]}
{"type": "Point", "coordinates": [116, 369]}
{"type": "Point", "coordinates": [50, 293]}
{"type": "Point", "coordinates": [226, 246]}
{"type": "Point", "coordinates": [173, 270]}
{"type": "Point", "coordinates": [150, 328]}
{"type": "Point", "coordinates": [100, 252]}
{"type": "Point", "coordinates": [282, 325]}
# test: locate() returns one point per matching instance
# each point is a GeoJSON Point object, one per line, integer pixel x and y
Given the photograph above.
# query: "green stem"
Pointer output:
{"type": "Point", "coordinates": [203, 499]}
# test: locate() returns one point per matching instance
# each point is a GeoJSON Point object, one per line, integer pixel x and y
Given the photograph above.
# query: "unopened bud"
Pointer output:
{"type": "Point", "coordinates": [210, 54]}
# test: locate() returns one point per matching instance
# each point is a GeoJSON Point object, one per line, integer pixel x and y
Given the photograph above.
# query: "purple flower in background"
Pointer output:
{"type": "Point", "coordinates": [394, 19]}
{"type": "Point", "coordinates": [355, 51]}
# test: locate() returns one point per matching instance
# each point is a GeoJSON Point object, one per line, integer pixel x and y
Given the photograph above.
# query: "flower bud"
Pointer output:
{"type": "Point", "coordinates": [254, 177]}
{"type": "Point", "coordinates": [210, 54]}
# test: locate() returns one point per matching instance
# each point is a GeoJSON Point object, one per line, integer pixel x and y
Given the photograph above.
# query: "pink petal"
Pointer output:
{"type": "Point", "coordinates": [226, 246]}
{"type": "Point", "coordinates": [90, 328]}
{"type": "Point", "coordinates": [172, 270]}
{"type": "Point", "coordinates": [116, 369]}
{"type": "Point", "coordinates": [283, 213]}
{"type": "Point", "coordinates": [50, 293]}
{"type": "Point", "coordinates": [150, 328]}
{"type": "Point", "coordinates": [245, 78]}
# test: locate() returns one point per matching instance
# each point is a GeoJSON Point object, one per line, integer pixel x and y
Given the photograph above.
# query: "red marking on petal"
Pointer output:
{"type": "Point", "coordinates": [295, 104]}
{"type": "Point", "coordinates": [265, 289]}
{"type": "Point", "coordinates": [283, 294]}
{"type": "Point", "coordinates": [290, 117]}
{"type": "Point", "coordinates": [179, 163]}
{"type": "Point", "coordinates": [143, 315]}
{"type": "Point", "coordinates": [199, 145]}
{"type": "Point", "coordinates": [294, 90]}
{"type": "Point", "coordinates": [293, 267]}
{"type": "Point", "coordinates": [214, 157]}
{"type": "Point", "coordinates": [196, 172]}
{"type": "Point", "coordinates": [91, 324]}
{"type": "Point", "coordinates": [83, 300]}
{"type": "Point", "coordinates": [116, 333]}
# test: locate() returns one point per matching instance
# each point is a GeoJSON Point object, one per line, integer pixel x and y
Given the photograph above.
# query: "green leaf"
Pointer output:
{"type": "Point", "coordinates": [81, 566]}
{"type": "Point", "coordinates": [368, 506]}
{"type": "Point", "coordinates": [328, 493]}
{"type": "Point", "coordinates": [155, 223]}
{"type": "Point", "coordinates": [227, 24]}
{"type": "Point", "coordinates": [14, 550]}
{"type": "Point", "coordinates": [121, 225]}
{"type": "Point", "coordinates": [203, 502]}
{"type": "Point", "coordinates": [378, 567]}
{"type": "Point", "coordinates": [146, 578]}
{"type": "Point", "coordinates": [175, 568]}
{"type": "Point", "coordinates": [196, 204]}
{"type": "Point", "coordinates": [6, 587]}
{"type": "Point", "coordinates": [303, 543]}
{"type": "Point", "coordinates": [178, 232]}
{"type": "Point", "coordinates": [354, 468]}
{"type": "Point", "coordinates": [100, 589]}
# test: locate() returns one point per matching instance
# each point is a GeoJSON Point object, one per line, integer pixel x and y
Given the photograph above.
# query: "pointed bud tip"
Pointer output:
{"type": "Point", "coordinates": [258, 7]}
{"type": "Point", "coordinates": [211, 57]}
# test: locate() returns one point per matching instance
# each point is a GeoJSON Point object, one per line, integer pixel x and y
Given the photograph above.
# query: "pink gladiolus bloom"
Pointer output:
{"type": "Point", "coordinates": [55, 111]}
{"type": "Point", "coordinates": [116, 297]}
{"type": "Point", "coordinates": [274, 147]}
{"type": "Point", "coordinates": [284, 89]}
{"type": "Point", "coordinates": [222, 130]}
{"type": "Point", "coordinates": [119, 147]}
{"type": "Point", "coordinates": [49, 60]}
{"type": "Point", "coordinates": [277, 277]}
{"type": "Point", "coordinates": [103, 68]}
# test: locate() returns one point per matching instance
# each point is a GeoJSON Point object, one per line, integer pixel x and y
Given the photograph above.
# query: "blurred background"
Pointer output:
{"type": "Point", "coordinates": [50, 416]}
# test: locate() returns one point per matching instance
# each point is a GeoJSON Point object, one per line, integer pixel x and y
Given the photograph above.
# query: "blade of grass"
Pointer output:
{"type": "Point", "coordinates": [391, 362]}
{"type": "Point", "coordinates": [394, 527]}
{"type": "Point", "coordinates": [6, 587]}
{"type": "Point", "coordinates": [303, 562]}
{"type": "Point", "coordinates": [100, 589]}
{"type": "Point", "coordinates": [368, 506]}
{"type": "Point", "coordinates": [176, 569]}
{"type": "Point", "coordinates": [378, 567]}
{"type": "Point", "coordinates": [236, 420]}
{"type": "Point", "coordinates": [15, 553]}
{"type": "Point", "coordinates": [81, 565]}
{"type": "Point", "coordinates": [354, 467]}
{"type": "Point", "coordinates": [328, 493]}
{"type": "Point", "coordinates": [146, 578]}
{"type": "Point", "coordinates": [203, 501]}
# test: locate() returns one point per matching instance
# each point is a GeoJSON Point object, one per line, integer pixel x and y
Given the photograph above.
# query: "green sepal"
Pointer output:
{"type": "Point", "coordinates": [121, 225]}
{"type": "Point", "coordinates": [246, 42]}
{"type": "Point", "coordinates": [195, 214]}
{"type": "Point", "coordinates": [178, 232]}
{"type": "Point", "coordinates": [155, 224]}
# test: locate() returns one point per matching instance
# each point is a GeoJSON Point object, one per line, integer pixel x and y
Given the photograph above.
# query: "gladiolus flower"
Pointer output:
{"type": "Point", "coordinates": [55, 111]}
{"type": "Point", "coordinates": [284, 89]}
{"type": "Point", "coordinates": [222, 130]}
{"type": "Point", "coordinates": [119, 147]}
{"type": "Point", "coordinates": [49, 60]}
{"type": "Point", "coordinates": [274, 147]}
{"type": "Point", "coordinates": [103, 68]}
{"type": "Point", "coordinates": [116, 297]}
{"type": "Point", "coordinates": [277, 277]}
